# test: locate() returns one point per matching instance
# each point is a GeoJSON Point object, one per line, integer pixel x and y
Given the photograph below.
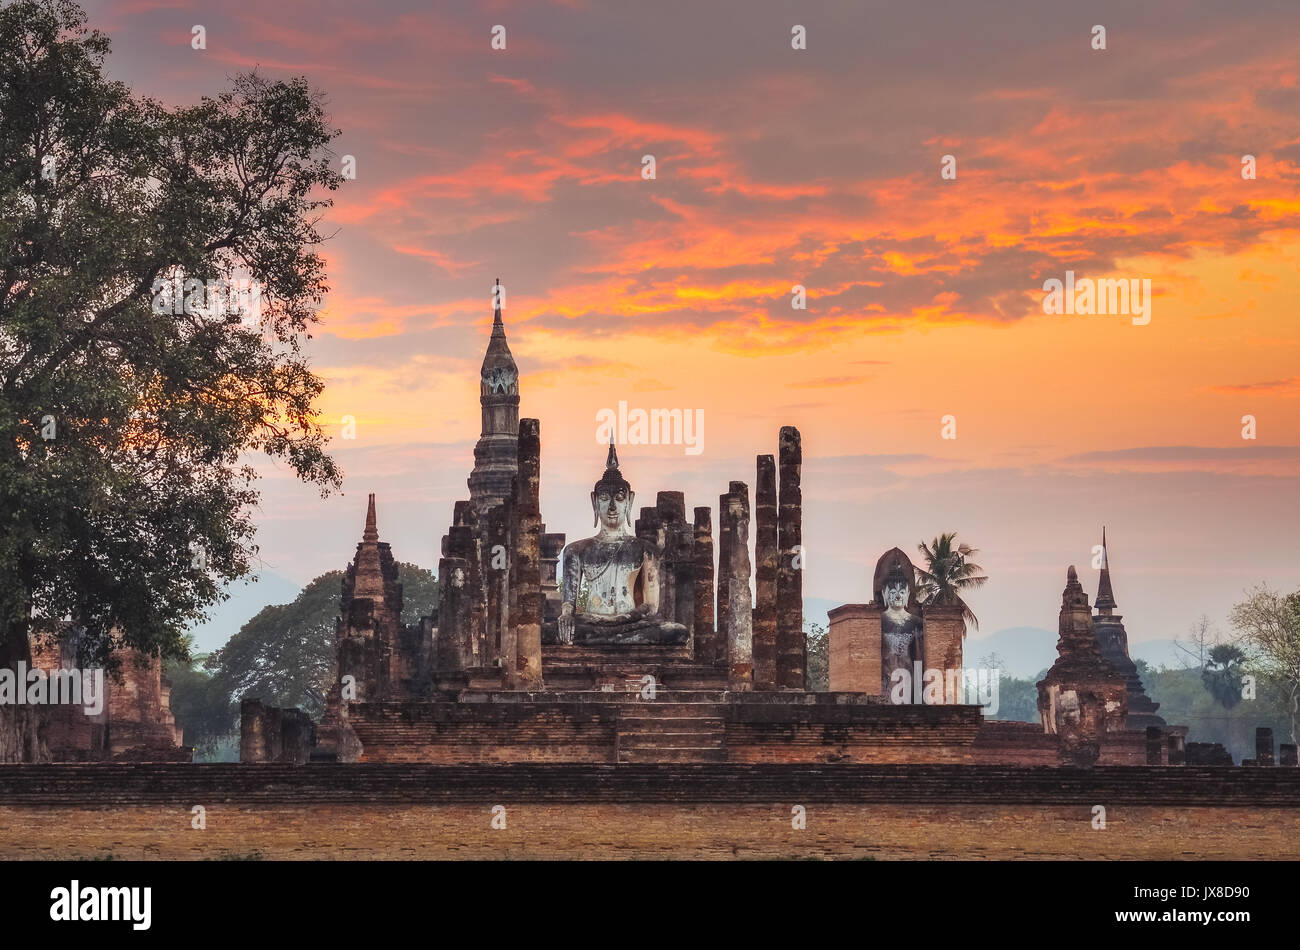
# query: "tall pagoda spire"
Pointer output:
{"type": "Point", "coordinates": [372, 529]}
{"type": "Point", "coordinates": [496, 454]}
{"type": "Point", "coordinates": [1112, 638]}
{"type": "Point", "coordinates": [1105, 602]}
{"type": "Point", "coordinates": [367, 567]}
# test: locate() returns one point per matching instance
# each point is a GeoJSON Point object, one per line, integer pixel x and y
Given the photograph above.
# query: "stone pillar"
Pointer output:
{"type": "Point", "coordinates": [740, 631]}
{"type": "Point", "coordinates": [463, 541]}
{"type": "Point", "coordinates": [1263, 746]}
{"type": "Point", "coordinates": [724, 567]}
{"type": "Point", "coordinates": [649, 528]}
{"type": "Point", "coordinates": [552, 546]}
{"type": "Point", "coordinates": [1177, 749]}
{"type": "Point", "coordinates": [510, 609]}
{"type": "Point", "coordinates": [454, 649]}
{"type": "Point", "coordinates": [766, 556]}
{"type": "Point", "coordinates": [527, 671]}
{"type": "Point", "coordinates": [791, 643]}
{"type": "Point", "coordinates": [671, 506]}
{"type": "Point", "coordinates": [706, 635]}
{"type": "Point", "coordinates": [252, 731]}
{"type": "Point", "coordinates": [1287, 754]}
{"type": "Point", "coordinates": [1155, 746]}
{"type": "Point", "coordinates": [855, 649]}
{"type": "Point", "coordinates": [941, 642]}
{"type": "Point", "coordinates": [677, 574]}
{"type": "Point", "coordinates": [496, 576]}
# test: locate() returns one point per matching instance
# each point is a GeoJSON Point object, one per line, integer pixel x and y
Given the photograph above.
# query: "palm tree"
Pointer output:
{"type": "Point", "coordinates": [948, 571]}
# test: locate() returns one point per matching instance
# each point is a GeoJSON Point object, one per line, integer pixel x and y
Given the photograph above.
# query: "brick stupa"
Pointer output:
{"type": "Point", "coordinates": [1082, 697]}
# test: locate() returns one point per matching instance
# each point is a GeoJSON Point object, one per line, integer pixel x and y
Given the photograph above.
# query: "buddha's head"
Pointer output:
{"type": "Point", "coordinates": [611, 499]}
{"type": "Point", "coordinates": [895, 594]}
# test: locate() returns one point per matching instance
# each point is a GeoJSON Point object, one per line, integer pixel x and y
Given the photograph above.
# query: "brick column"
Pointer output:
{"type": "Point", "coordinates": [941, 642]}
{"type": "Point", "coordinates": [791, 643]}
{"type": "Point", "coordinates": [552, 546]}
{"type": "Point", "coordinates": [740, 632]}
{"type": "Point", "coordinates": [706, 637]}
{"type": "Point", "coordinates": [496, 573]}
{"type": "Point", "coordinates": [766, 557]}
{"type": "Point", "coordinates": [454, 650]}
{"type": "Point", "coordinates": [649, 528]}
{"type": "Point", "coordinates": [855, 649]}
{"type": "Point", "coordinates": [252, 731]}
{"type": "Point", "coordinates": [724, 567]}
{"type": "Point", "coordinates": [527, 670]}
{"type": "Point", "coordinates": [677, 574]}
{"type": "Point", "coordinates": [463, 541]}
{"type": "Point", "coordinates": [1155, 746]}
{"type": "Point", "coordinates": [510, 601]}
{"type": "Point", "coordinates": [1263, 746]}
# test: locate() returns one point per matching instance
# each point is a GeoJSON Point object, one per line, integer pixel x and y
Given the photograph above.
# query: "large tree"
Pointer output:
{"type": "Point", "coordinates": [285, 656]}
{"type": "Point", "coordinates": [1268, 625]}
{"type": "Point", "coordinates": [128, 413]}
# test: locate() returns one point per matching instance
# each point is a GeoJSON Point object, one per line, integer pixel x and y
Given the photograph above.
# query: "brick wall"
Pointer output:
{"type": "Point", "coordinates": [882, 812]}
{"type": "Point", "coordinates": [944, 630]}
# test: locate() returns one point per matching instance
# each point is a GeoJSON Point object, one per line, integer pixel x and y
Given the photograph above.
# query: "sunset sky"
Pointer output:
{"type": "Point", "coordinates": [818, 167]}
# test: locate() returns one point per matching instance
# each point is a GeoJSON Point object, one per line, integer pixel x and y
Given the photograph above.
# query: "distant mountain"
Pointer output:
{"type": "Point", "coordinates": [1025, 651]}
{"type": "Point", "coordinates": [246, 599]}
{"type": "Point", "coordinates": [1158, 653]}
{"type": "Point", "coordinates": [1028, 651]}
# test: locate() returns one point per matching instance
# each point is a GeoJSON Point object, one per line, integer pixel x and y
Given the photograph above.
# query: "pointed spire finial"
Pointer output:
{"type": "Point", "coordinates": [612, 479]}
{"type": "Point", "coordinates": [496, 298]}
{"type": "Point", "coordinates": [1105, 594]}
{"type": "Point", "coordinates": [372, 530]}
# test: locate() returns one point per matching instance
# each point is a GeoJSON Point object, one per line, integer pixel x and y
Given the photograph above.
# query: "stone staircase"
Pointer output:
{"type": "Point", "coordinates": [678, 726]}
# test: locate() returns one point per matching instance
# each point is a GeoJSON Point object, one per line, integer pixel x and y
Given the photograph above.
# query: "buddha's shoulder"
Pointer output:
{"type": "Point", "coordinates": [628, 543]}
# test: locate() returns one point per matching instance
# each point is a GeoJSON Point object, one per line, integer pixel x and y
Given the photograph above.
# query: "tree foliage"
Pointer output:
{"type": "Point", "coordinates": [285, 656]}
{"type": "Point", "coordinates": [947, 573]}
{"type": "Point", "coordinates": [818, 674]}
{"type": "Point", "coordinates": [1222, 674]}
{"type": "Point", "coordinates": [1184, 700]}
{"type": "Point", "coordinates": [1268, 625]}
{"type": "Point", "coordinates": [125, 494]}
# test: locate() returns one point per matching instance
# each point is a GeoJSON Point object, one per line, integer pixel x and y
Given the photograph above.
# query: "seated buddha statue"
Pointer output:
{"type": "Point", "coordinates": [610, 585]}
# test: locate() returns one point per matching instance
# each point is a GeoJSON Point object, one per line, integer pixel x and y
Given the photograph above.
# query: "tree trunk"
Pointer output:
{"type": "Point", "coordinates": [22, 727]}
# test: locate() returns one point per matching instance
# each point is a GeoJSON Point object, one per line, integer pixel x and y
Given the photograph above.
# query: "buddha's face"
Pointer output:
{"type": "Point", "coordinates": [612, 507]}
{"type": "Point", "coordinates": [895, 596]}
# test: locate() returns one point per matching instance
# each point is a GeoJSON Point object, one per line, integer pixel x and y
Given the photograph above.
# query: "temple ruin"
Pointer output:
{"type": "Point", "coordinates": [134, 722]}
{"type": "Point", "coordinates": [655, 641]}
